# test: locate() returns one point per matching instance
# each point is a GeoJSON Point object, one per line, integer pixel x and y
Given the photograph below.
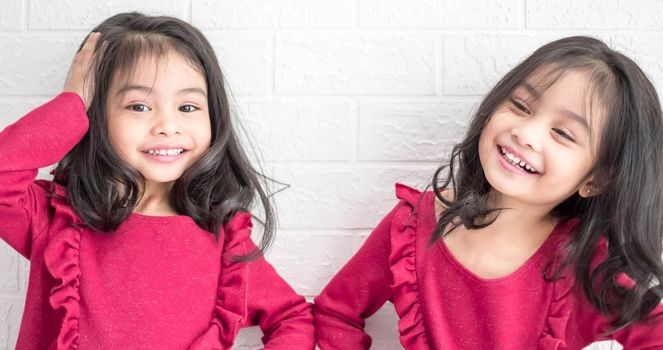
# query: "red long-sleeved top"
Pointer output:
{"type": "Point", "coordinates": [154, 283]}
{"type": "Point", "coordinates": [443, 305]}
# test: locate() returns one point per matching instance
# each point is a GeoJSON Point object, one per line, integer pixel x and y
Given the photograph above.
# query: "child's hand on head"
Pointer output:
{"type": "Point", "coordinates": [77, 78]}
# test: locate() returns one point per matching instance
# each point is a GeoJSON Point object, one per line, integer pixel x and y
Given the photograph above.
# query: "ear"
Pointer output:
{"type": "Point", "coordinates": [589, 188]}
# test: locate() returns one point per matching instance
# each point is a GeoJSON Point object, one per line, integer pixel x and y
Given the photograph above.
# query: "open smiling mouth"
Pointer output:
{"type": "Point", "coordinates": [517, 162]}
{"type": "Point", "coordinates": [165, 152]}
{"type": "Point", "coordinates": [165, 155]}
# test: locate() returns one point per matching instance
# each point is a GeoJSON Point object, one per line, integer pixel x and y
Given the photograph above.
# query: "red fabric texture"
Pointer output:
{"type": "Point", "coordinates": [443, 305]}
{"type": "Point", "coordinates": [155, 282]}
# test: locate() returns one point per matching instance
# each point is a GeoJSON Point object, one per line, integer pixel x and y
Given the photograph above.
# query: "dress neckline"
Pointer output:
{"type": "Point", "coordinates": [532, 260]}
{"type": "Point", "coordinates": [158, 218]}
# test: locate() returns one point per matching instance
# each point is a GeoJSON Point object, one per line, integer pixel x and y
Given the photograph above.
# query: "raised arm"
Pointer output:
{"type": "Point", "coordinates": [39, 139]}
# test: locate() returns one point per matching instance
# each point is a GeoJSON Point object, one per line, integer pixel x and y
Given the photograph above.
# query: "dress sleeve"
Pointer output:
{"type": "Point", "coordinates": [252, 293]}
{"type": "Point", "coordinates": [593, 324]}
{"type": "Point", "coordinates": [357, 291]}
{"type": "Point", "coordinates": [641, 335]}
{"type": "Point", "coordinates": [284, 317]}
{"type": "Point", "coordinates": [39, 139]}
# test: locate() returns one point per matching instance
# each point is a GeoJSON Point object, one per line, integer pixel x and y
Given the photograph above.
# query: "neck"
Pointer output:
{"type": "Point", "coordinates": [156, 200]}
{"type": "Point", "coordinates": [519, 216]}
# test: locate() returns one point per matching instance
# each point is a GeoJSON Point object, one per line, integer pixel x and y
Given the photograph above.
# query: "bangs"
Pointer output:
{"type": "Point", "coordinates": [598, 89]}
{"type": "Point", "coordinates": [104, 190]}
{"type": "Point", "coordinates": [133, 47]}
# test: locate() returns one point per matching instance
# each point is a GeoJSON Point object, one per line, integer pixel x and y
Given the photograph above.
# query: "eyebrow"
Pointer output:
{"type": "Point", "coordinates": [147, 89]}
{"type": "Point", "coordinates": [578, 118]}
{"type": "Point", "coordinates": [193, 90]}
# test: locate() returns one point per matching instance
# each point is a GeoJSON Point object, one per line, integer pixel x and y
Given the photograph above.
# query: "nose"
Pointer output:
{"type": "Point", "coordinates": [529, 134]}
{"type": "Point", "coordinates": [166, 124]}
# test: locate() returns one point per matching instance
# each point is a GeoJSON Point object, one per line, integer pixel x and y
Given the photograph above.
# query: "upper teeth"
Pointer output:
{"type": "Point", "coordinates": [165, 152]}
{"type": "Point", "coordinates": [517, 161]}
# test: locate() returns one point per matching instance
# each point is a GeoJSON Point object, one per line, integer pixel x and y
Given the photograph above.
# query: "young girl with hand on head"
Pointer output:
{"type": "Point", "coordinates": [545, 233]}
{"type": "Point", "coordinates": [142, 238]}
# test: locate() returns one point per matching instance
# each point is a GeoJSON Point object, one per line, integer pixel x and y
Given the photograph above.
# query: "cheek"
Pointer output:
{"type": "Point", "coordinates": [487, 136]}
{"type": "Point", "coordinates": [493, 125]}
{"type": "Point", "coordinates": [124, 136]}
{"type": "Point", "coordinates": [115, 134]}
{"type": "Point", "coordinates": [203, 132]}
{"type": "Point", "coordinates": [115, 127]}
{"type": "Point", "coordinates": [570, 165]}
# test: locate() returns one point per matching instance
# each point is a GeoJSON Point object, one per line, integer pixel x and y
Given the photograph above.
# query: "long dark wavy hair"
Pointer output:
{"type": "Point", "coordinates": [104, 189]}
{"type": "Point", "coordinates": [628, 211]}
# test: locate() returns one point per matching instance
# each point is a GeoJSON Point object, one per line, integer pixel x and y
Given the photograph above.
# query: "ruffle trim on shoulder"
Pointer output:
{"type": "Point", "coordinates": [559, 316]}
{"type": "Point", "coordinates": [61, 257]}
{"type": "Point", "coordinates": [402, 262]}
{"type": "Point", "coordinates": [560, 310]}
{"type": "Point", "coordinates": [230, 311]}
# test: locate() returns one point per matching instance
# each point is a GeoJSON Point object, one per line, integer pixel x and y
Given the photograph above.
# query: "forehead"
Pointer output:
{"type": "Point", "coordinates": [152, 69]}
{"type": "Point", "coordinates": [574, 90]}
{"type": "Point", "coordinates": [571, 88]}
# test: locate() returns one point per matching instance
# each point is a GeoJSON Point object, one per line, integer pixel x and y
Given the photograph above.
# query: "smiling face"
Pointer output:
{"type": "Point", "coordinates": [158, 119]}
{"type": "Point", "coordinates": [538, 151]}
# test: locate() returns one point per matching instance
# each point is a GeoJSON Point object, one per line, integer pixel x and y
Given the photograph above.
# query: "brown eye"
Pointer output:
{"type": "Point", "coordinates": [563, 134]}
{"type": "Point", "coordinates": [520, 106]}
{"type": "Point", "coordinates": [139, 107]}
{"type": "Point", "coordinates": [188, 108]}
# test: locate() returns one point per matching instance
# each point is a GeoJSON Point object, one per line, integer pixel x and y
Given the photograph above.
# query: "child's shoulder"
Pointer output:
{"type": "Point", "coordinates": [414, 196]}
{"type": "Point", "coordinates": [414, 216]}
{"type": "Point", "coordinates": [43, 185]}
{"type": "Point", "coordinates": [41, 193]}
{"type": "Point", "coordinates": [417, 198]}
{"type": "Point", "coordinates": [408, 194]}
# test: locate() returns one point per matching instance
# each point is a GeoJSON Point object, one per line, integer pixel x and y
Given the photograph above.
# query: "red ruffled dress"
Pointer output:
{"type": "Point", "coordinates": [154, 283]}
{"type": "Point", "coordinates": [443, 305]}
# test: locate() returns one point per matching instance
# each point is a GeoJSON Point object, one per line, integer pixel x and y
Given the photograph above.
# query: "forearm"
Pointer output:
{"type": "Point", "coordinates": [39, 139]}
{"type": "Point", "coordinates": [357, 291]}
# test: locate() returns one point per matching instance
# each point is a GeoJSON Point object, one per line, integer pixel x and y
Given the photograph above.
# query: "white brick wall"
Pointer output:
{"type": "Point", "coordinates": [345, 97]}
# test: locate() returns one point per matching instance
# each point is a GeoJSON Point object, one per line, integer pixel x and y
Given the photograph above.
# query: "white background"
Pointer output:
{"type": "Point", "coordinates": [342, 97]}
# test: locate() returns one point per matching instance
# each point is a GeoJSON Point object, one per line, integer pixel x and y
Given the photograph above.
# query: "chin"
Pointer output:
{"type": "Point", "coordinates": [161, 179]}
{"type": "Point", "coordinates": [508, 189]}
